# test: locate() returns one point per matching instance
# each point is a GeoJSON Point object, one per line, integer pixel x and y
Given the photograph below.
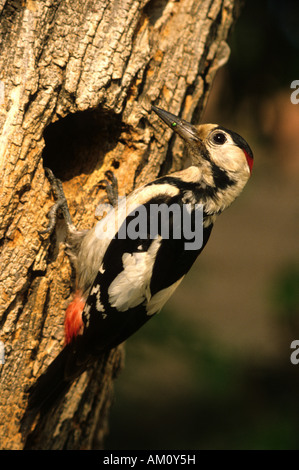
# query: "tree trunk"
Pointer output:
{"type": "Point", "coordinates": [77, 83]}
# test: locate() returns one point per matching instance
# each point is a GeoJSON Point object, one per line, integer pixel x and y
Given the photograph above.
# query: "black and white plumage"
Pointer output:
{"type": "Point", "coordinates": [122, 283]}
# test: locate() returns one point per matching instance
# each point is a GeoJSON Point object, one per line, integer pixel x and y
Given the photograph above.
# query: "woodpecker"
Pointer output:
{"type": "Point", "coordinates": [124, 281]}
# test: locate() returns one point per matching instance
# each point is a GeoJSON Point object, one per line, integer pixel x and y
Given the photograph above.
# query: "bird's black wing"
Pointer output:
{"type": "Point", "coordinates": [135, 278]}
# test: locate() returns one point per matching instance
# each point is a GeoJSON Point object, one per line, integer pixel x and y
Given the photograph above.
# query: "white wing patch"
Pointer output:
{"type": "Point", "coordinates": [95, 289]}
{"type": "Point", "coordinates": [99, 305]}
{"type": "Point", "coordinates": [87, 315]}
{"type": "Point", "coordinates": [160, 298]}
{"type": "Point", "coordinates": [131, 287]}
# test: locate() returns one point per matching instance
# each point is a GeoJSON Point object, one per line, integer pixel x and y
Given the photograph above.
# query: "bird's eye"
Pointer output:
{"type": "Point", "coordinates": [219, 138]}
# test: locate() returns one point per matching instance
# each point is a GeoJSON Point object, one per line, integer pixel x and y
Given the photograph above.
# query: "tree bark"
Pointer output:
{"type": "Point", "coordinates": [77, 83]}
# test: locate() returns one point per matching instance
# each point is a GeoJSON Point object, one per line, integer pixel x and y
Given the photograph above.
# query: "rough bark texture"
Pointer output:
{"type": "Point", "coordinates": [77, 83]}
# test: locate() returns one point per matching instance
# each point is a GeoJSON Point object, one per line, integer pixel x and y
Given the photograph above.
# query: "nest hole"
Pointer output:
{"type": "Point", "coordinates": [78, 143]}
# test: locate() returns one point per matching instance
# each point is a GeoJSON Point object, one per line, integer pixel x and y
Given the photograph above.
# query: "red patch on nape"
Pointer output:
{"type": "Point", "coordinates": [249, 160]}
{"type": "Point", "coordinates": [73, 323]}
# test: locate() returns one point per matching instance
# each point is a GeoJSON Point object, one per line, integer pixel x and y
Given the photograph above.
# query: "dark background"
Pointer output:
{"type": "Point", "coordinates": [213, 370]}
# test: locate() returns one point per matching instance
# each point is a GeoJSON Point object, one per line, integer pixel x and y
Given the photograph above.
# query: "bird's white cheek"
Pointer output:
{"type": "Point", "coordinates": [231, 159]}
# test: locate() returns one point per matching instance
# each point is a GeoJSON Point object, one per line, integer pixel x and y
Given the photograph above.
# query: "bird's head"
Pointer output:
{"type": "Point", "coordinates": [212, 144]}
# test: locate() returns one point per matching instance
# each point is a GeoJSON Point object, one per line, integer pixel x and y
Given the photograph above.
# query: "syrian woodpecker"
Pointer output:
{"type": "Point", "coordinates": [124, 281]}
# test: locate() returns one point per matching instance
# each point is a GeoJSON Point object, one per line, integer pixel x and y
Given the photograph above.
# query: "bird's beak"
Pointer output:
{"type": "Point", "coordinates": [186, 130]}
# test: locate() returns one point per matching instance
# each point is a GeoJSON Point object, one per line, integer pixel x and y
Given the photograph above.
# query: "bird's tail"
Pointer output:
{"type": "Point", "coordinates": [51, 386]}
{"type": "Point", "coordinates": [54, 383]}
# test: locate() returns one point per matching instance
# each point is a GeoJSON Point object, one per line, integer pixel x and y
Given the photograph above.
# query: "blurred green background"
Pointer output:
{"type": "Point", "coordinates": [213, 370]}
